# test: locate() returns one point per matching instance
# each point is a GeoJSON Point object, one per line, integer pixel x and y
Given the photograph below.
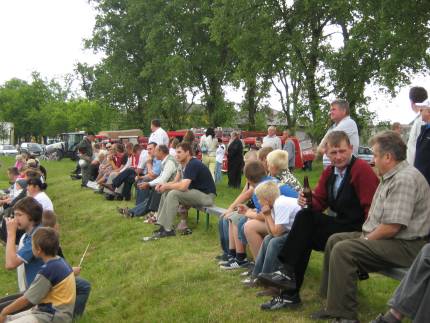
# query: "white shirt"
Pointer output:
{"type": "Point", "coordinates": [284, 211]}
{"type": "Point", "coordinates": [142, 159]}
{"type": "Point", "coordinates": [210, 143]}
{"type": "Point", "coordinates": [273, 142]}
{"type": "Point", "coordinates": [172, 151]}
{"type": "Point", "coordinates": [45, 201]}
{"type": "Point", "coordinates": [348, 126]}
{"type": "Point", "coordinates": [160, 137]}
{"type": "Point", "coordinates": [220, 152]}
{"type": "Point", "coordinates": [20, 270]}
{"type": "Point", "coordinates": [412, 141]}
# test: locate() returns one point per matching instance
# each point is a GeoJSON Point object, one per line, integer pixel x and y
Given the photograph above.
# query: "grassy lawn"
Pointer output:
{"type": "Point", "coordinates": [171, 280]}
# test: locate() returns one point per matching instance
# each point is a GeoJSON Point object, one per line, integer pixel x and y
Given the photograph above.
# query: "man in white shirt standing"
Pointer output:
{"type": "Point", "coordinates": [271, 140]}
{"type": "Point", "coordinates": [158, 135]}
{"type": "Point", "coordinates": [417, 94]}
{"type": "Point", "coordinates": [339, 114]}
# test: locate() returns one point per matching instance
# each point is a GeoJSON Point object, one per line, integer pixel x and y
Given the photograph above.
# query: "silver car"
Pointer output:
{"type": "Point", "coordinates": [8, 150]}
{"type": "Point", "coordinates": [366, 154]}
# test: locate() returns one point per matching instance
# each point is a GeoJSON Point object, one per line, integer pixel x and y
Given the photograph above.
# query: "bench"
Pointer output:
{"type": "Point", "coordinates": [395, 272]}
{"type": "Point", "coordinates": [209, 210]}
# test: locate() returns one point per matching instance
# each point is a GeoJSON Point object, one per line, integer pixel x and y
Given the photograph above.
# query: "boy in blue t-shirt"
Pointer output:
{"type": "Point", "coordinates": [27, 217]}
{"type": "Point", "coordinates": [53, 290]}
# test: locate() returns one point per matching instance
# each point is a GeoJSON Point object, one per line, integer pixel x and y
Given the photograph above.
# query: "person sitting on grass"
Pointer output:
{"type": "Point", "coordinates": [149, 168]}
{"type": "Point", "coordinates": [12, 175]}
{"type": "Point", "coordinates": [52, 291]}
{"type": "Point", "coordinates": [255, 174]}
{"type": "Point", "coordinates": [197, 188]}
{"type": "Point", "coordinates": [83, 287]}
{"type": "Point", "coordinates": [126, 177]}
{"type": "Point", "coordinates": [36, 189]}
{"type": "Point", "coordinates": [279, 213]}
{"type": "Point", "coordinates": [169, 169]}
{"type": "Point", "coordinates": [28, 217]}
{"type": "Point", "coordinates": [117, 160]}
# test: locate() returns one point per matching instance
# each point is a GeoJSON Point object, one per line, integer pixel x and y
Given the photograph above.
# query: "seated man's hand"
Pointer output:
{"type": "Point", "coordinates": [143, 186]}
{"type": "Point", "coordinates": [11, 225]}
{"type": "Point", "coordinates": [162, 188]}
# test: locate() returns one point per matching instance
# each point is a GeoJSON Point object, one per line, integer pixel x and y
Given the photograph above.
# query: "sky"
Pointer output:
{"type": "Point", "coordinates": [47, 36]}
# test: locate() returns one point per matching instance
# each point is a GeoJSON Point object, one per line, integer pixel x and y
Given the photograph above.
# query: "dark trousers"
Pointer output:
{"type": "Point", "coordinates": [127, 178]}
{"type": "Point", "coordinates": [412, 296]}
{"type": "Point", "coordinates": [310, 231]}
{"type": "Point", "coordinates": [234, 175]}
{"type": "Point", "coordinates": [94, 172]}
{"type": "Point", "coordinates": [83, 289]}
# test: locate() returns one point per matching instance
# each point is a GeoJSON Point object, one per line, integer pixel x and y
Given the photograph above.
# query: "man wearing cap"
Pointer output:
{"type": "Point", "coordinates": [422, 154]}
{"type": "Point", "coordinates": [85, 150]}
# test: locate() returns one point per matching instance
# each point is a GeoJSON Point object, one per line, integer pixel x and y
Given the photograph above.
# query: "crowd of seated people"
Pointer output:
{"type": "Point", "coordinates": [26, 211]}
{"type": "Point", "coordinates": [363, 219]}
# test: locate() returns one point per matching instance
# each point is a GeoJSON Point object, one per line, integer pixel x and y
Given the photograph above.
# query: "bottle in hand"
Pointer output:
{"type": "Point", "coordinates": [307, 192]}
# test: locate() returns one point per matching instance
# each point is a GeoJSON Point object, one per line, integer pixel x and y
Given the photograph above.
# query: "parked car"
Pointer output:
{"type": "Point", "coordinates": [366, 154]}
{"type": "Point", "coordinates": [31, 148]}
{"type": "Point", "coordinates": [8, 150]}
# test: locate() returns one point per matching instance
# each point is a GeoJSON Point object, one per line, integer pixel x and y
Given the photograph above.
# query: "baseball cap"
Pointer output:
{"type": "Point", "coordinates": [423, 105]}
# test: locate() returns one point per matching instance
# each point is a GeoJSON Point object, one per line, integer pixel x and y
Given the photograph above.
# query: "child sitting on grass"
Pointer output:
{"type": "Point", "coordinates": [83, 287]}
{"type": "Point", "coordinates": [53, 290]}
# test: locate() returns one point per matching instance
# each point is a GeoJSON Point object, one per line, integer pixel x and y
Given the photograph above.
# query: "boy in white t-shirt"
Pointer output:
{"type": "Point", "coordinates": [279, 212]}
{"type": "Point", "coordinates": [219, 158]}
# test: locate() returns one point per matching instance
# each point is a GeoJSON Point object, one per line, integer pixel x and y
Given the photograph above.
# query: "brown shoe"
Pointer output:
{"type": "Point", "coordinates": [271, 291]}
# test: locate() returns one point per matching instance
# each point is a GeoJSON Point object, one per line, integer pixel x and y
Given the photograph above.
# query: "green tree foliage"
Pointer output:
{"type": "Point", "coordinates": [45, 108]}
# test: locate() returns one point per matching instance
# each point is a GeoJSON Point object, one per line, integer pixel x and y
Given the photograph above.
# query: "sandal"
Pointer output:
{"type": "Point", "coordinates": [186, 232]}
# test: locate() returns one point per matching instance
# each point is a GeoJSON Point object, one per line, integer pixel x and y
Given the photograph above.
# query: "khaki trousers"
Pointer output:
{"type": "Point", "coordinates": [170, 201]}
{"type": "Point", "coordinates": [347, 253]}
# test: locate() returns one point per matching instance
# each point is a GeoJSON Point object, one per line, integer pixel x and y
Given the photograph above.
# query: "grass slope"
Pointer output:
{"type": "Point", "coordinates": [171, 280]}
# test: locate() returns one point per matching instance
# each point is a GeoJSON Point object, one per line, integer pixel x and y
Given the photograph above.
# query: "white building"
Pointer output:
{"type": "Point", "coordinates": [6, 133]}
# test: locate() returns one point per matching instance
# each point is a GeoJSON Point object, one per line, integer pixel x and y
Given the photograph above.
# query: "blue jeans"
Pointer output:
{"type": "Point", "coordinates": [267, 260]}
{"type": "Point", "coordinates": [218, 173]}
{"type": "Point", "coordinates": [223, 234]}
{"type": "Point", "coordinates": [241, 230]}
{"type": "Point", "coordinates": [141, 195]}
{"type": "Point", "coordinates": [83, 289]}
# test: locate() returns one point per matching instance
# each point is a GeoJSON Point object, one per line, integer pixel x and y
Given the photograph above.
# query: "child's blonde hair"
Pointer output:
{"type": "Point", "coordinates": [278, 159]}
{"type": "Point", "coordinates": [268, 191]}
